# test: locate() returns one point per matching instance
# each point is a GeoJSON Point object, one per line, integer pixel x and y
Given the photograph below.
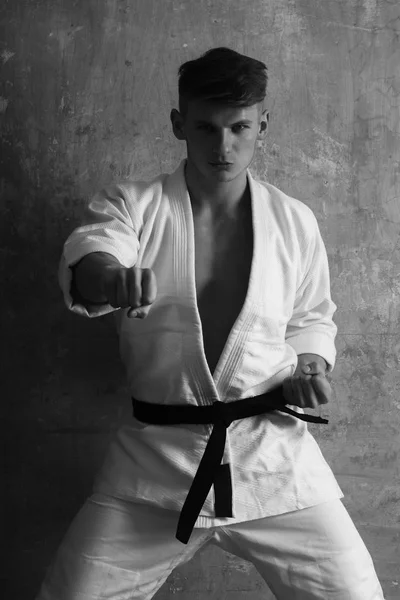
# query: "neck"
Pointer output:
{"type": "Point", "coordinates": [219, 197]}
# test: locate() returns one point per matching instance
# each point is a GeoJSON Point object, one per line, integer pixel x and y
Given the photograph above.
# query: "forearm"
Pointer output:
{"type": "Point", "coordinates": [89, 276]}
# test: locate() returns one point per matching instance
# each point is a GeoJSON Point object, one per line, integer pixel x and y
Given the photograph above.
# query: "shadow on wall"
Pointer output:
{"type": "Point", "coordinates": [62, 382]}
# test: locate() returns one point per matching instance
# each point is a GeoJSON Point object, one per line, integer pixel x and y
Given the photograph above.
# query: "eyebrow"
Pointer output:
{"type": "Point", "coordinates": [241, 122]}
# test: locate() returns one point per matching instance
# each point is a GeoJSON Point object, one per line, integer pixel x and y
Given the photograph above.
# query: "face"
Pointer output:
{"type": "Point", "coordinates": [220, 139]}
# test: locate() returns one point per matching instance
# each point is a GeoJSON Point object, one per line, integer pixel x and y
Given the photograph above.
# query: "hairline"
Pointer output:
{"type": "Point", "coordinates": [184, 103]}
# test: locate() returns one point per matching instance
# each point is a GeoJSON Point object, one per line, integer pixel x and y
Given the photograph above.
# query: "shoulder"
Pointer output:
{"type": "Point", "coordinates": [288, 211]}
{"type": "Point", "coordinates": [288, 205]}
{"type": "Point", "coordinates": [136, 191]}
{"type": "Point", "coordinates": [136, 200]}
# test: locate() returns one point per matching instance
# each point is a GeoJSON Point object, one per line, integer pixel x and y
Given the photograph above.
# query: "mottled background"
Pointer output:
{"type": "Point", "coordinates": [86, 91]}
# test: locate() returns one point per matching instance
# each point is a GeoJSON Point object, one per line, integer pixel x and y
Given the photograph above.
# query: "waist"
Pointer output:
{"type": "Point", "coordinates": [210, 471]}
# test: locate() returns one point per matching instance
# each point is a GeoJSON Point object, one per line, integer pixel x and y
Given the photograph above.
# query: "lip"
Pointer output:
{"type": "Point", "coordinates": [220, 164]}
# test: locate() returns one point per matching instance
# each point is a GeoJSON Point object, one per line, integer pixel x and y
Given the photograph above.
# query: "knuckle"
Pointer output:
{"type": "Point", "coordinates": [149, 288]}
{"type": "Point", "coordinates": [135, 273]}
{"type": "Point", "coordinates": [134, 279]}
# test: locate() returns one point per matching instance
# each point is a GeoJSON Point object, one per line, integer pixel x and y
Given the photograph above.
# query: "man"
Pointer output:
{"type": "Point", "coordinates": [220, 288]}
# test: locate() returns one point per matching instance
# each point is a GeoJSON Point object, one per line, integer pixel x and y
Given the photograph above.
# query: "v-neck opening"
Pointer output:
{"type": "Point", "coordinates": [232, 338]}
{"type": "Point", "coordinates": [216, 376]}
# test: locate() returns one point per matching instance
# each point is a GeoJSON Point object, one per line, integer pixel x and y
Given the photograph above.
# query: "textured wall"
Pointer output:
{"type": "Point", "coordinates": [85, 94]}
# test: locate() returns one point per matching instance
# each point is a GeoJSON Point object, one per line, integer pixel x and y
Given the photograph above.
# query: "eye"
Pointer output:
{"type": "Point", "coordinates": [205, 127]}
{"type": "Point", "coordinates": [240, 127]}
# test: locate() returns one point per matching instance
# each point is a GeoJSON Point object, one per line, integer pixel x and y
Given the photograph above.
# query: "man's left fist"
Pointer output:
{"type": "Point", "coordinates": [308, 386]}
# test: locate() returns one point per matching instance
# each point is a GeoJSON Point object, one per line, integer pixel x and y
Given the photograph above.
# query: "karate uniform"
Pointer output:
{"type": "Point", "coordinates": [275, 464]}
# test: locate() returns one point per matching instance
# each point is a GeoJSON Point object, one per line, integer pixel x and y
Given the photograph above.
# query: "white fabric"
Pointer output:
{"type": "Point", "coordinates": [276, 464]}
{"type": "Point", "coordinates": [118, 550]}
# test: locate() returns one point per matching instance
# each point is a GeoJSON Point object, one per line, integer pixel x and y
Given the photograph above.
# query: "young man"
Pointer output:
{"type": "Point", "coordinates": [220, 288]}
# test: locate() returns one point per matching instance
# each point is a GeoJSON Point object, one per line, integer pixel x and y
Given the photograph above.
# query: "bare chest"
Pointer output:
{"type": "Point", "coordinates": [223, 256]}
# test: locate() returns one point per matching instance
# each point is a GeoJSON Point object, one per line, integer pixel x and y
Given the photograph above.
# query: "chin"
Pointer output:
{"type": "Point", "coordinates": [223, 176]}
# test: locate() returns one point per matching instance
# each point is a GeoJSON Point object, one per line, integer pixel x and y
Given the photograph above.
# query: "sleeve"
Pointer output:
{"type": "Point", "coordinates": [311, 328]}
{"type": "Point", "coordinates": [107, 227]}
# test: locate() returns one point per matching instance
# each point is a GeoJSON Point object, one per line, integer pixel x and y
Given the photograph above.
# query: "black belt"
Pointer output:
{"type": "Point", "coordinates": [210, 470]}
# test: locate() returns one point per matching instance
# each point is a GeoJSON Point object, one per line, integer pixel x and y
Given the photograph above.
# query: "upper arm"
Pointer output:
{"type": "Point", "coordinates": [311, 328]}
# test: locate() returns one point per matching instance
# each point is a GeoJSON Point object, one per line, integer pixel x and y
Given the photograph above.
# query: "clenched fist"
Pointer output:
{"type": "Point", "coordinates": [132, 288]}
{"type": "Point", "coordinates": [100, 278]}
{"type": "Point", "coordinates": [308, 387]}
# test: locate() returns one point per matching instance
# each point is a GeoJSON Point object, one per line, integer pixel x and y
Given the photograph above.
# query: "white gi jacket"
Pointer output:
{"type": "Point", "coordinates": [276, 465]}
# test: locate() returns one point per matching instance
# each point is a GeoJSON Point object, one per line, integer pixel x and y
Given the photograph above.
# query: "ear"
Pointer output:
{"type": "Point", "coordinates": [263, 125]}
{"type": "Point", "coordinates": [177, 124]}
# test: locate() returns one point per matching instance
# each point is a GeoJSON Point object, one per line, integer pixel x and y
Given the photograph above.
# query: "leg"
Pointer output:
{"type": "Point", "coordinates": [117, 550]}
{"type": "Point", "coordinates": [310, 554]}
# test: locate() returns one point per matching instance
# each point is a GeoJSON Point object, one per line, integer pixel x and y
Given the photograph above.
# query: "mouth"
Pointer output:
{"type": "Point", "coordinates": [220, 164]}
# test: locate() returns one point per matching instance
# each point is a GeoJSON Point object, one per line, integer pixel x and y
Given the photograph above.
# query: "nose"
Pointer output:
{"type": "Point", "coordinates": [222, 143]}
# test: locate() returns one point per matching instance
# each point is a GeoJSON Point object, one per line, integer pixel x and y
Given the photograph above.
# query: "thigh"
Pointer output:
{"type": "Point", "coordinates": [117, 550]}
{"type": "Point", "coordinates": [310, 554]}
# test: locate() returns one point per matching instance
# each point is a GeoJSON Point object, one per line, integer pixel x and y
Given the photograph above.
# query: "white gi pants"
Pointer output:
{"type": "Point", "coordinates": [119, 550]}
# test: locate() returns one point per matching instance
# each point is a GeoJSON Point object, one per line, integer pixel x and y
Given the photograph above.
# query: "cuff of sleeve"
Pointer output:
{"type": "Point", "coordinates": [315, 343]}
{"type": "Point", "coordinates": [70, 257]}
{"type": "Point", "coordinates": [73, 253]}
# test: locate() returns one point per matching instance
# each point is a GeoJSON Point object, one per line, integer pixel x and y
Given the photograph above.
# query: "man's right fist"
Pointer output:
{"type": "Point", "coordinates": [132, 288]}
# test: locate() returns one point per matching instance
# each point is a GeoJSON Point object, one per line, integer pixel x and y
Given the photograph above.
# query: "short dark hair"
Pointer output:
{"type": "Point", "coordinates": [222, 75]}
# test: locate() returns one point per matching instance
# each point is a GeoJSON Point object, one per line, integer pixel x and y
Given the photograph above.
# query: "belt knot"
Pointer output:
{"type": "Point", "coordinates": [221, 413]}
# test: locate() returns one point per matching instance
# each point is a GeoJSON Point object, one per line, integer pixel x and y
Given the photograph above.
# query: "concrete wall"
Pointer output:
{"type": "Point", "coordinates": [86, 90]}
